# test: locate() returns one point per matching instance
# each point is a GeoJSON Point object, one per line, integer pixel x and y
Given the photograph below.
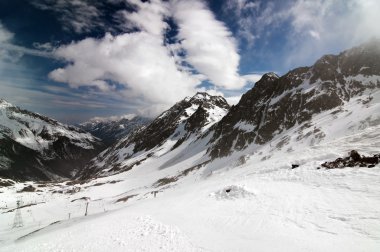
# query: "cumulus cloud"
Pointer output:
{"type": "Point", "coordinates": [140, 65]}
{"type": "Point", "coordinates": [209, 45]}
{"type": "Point", "coordinates": [138, 60]}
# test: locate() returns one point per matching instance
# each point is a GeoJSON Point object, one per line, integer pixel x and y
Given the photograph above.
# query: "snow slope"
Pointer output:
{"type": "Point", "coordinates": [269, 207]}
{"type": "Point", "coordinates": [175, 197]}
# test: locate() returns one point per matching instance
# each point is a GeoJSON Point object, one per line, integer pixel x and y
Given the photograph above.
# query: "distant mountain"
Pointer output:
{"type": "Point", "coordinates": [112, 129]}
{"type": "Point", "coordinates": [174, 128]}
{"type": "Point", "coordinates": [35, 147]}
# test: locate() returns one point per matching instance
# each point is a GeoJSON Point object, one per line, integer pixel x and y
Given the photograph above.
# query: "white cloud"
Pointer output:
{"type": "Point", "coordinates": [313, 27]}
{"type": "Point", "coordinates": [112, 118]}
{"type": "Point", "coordinates": [148, 17]}
{"type": "Point", "coordinates": [148, 69]}
{"type": "Point", "coordinates": [233, 100]}
{"type": "Point", "coordinates": [321, 27]}
{"type": "Point", "coordinates": [209, 45]}
{"type": "Point", "coordinates": [315, 34]}
{"type": "Point", "coordinates": [252, 78]}
{"type": "Point", "coordinates": [138, 60]}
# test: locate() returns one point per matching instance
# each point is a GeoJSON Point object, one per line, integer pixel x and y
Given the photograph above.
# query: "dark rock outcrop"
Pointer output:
{"type": "Point", "coordinates": [353, 160]}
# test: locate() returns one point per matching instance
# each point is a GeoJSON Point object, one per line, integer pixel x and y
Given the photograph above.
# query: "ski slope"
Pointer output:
{"type": "Point", "coordinates": [269, 207]}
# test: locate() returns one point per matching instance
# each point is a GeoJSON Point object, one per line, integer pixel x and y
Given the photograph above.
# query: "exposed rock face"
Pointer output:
{"type": "Point", "coordinates": [276, 104]}
{"type": "Point", "coordinates": [113, 130]}
{"type": "Point", "coordinates": [191, 116]}
{"type": "Point", "coordinates": [353, 160]}
{"type": "Point", "coordinates": [35, 147]}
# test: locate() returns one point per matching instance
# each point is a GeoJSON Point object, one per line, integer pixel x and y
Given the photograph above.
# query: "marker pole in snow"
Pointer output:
{"type": "Point", "coordinates": [18, 219]}
{"type": "Point", "coordinates": [86, 207]}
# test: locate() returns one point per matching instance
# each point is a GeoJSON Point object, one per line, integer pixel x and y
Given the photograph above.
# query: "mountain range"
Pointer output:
{"type": "Point", "coordinates": [293, 166]}
{"type": "Point", "coordinates": [35, 147]}
{"type": "Point", "coordinates": [109, 130]}
{"type": "Point", "coordinates": [337, 96]}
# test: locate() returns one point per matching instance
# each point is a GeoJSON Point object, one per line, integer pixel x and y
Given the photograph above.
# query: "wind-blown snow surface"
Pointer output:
{"type": "Point", "coordinates": [268, 206]}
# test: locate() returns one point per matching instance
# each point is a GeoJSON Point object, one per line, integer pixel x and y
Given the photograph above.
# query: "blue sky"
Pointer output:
{"type": "Point", "coordinates": [77, 59]}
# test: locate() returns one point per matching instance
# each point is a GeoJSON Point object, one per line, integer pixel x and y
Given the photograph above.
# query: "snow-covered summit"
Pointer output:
{"type": "Point", "coordinates": [4, 103]}
{"type": "Point", "coordinates": [270, 76]}
{"type": "Point", "coordinates": [183, 122]}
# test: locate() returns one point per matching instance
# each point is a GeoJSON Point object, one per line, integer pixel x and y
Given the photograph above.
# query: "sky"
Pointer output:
{"type": "Point", "coordinates": [74, 60]}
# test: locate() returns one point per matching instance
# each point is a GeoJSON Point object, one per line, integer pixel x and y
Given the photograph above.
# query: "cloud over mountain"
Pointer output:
{"type": "Point", "coordinates": [140, 64]}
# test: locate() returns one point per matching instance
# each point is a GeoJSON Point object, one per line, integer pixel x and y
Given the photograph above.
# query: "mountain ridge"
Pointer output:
{"type": "Point", "coordinates": [37, 147]}
{"type": "Point", "coordinates": [277, 103]}
{"type": "Point", "coordinates": [114, 129]}
{"type": "Point", "coordinates": [186, 119]}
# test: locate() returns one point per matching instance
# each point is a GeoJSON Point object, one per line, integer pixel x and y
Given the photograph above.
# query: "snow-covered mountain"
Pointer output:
{"type": "Point", "coordinates": [199, 179]}
{"type": "Point", "coordinates": [112, 129]}
{"type": "Point", "coordinates": [337, 96]}
{"type": "Point", "coordinates": [33, 146]}
{"type": "Point", "coordinates": [343, 86]}
{"type": "Point", "coordinates": [174, 128]}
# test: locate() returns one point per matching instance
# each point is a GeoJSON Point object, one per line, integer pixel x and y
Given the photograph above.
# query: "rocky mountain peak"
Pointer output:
{"type": "Point", "coordinates": [271, 76]}
{"type": "Point", "coordinates": [276, 104]}
{"type": "Point", "coordinates": [206, 100]}
{"type": "Point", "coordinates": [187, 118]}
{"type": "Point", "coordinates": [5, 104]}
{"type": "Point", "coordinates": [166, 124]}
